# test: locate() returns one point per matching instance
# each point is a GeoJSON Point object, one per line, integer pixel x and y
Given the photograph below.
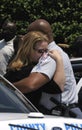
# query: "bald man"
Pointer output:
{"type": "Point", "coordinates": [44, 71]}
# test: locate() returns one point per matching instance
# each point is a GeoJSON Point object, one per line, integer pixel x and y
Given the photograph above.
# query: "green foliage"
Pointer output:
{"type": "Point", "coordinates": [64, 16]}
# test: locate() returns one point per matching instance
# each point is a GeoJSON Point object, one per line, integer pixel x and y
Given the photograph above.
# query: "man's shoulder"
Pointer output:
{"type": "Point", "coordinates": [46, 59]}
{"type": "Point", "coordinates": [46, 67]}
{"type": "Point", "coordinates": [2, 40]}
{"type": "Point", "coordinates": [2, 43]}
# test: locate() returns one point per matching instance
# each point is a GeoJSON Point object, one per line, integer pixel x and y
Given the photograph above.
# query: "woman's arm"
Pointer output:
{"type": "Point", "coordinates": [59, 76]}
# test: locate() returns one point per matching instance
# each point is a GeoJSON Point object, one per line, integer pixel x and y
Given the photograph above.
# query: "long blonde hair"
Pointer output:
{"type": "Point", "coordinates": [29, 42]}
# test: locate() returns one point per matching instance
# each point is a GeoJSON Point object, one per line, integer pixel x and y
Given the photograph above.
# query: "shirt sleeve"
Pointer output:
{"type": "Point", "coordinates": [45, 66]}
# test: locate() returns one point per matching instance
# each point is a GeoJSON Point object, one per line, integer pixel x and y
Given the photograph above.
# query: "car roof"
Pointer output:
{"type": "Point", "coordinates": [76, 64]}
{"type": "Point", "coordinates": [76, 60]}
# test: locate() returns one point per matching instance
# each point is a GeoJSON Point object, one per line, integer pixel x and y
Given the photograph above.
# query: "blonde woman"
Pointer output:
{"type": "Point", "coordinates": [33, 50]}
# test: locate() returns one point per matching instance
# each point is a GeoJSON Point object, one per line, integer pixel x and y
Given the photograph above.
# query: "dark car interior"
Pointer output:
{"type": "Point", "coordinates": [77, 68]}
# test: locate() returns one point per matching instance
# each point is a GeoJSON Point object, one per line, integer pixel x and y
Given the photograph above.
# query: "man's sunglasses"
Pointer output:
{"type": "Point", "coordinates": [41, 50]}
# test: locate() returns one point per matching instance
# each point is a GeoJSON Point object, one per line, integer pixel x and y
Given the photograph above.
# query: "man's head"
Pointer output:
{"type": "Point", "coordinates": [8, 30]}
{"type": "Point", "coordinates": [42, 26]}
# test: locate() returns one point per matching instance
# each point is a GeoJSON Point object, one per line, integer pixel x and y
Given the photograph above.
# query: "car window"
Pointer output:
{"type": "Point", "coordinates": [77, 68]}
{"type": "Point", "coordinates": [12, 101]}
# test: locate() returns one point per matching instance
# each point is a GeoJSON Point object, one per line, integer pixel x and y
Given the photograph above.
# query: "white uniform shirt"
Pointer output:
{"type": "Point", "coordinates": [44, 66]}
{"type": "Point", "coordinates": [69, 95]}
{"type": "Point", "coordinates": [6, 52]}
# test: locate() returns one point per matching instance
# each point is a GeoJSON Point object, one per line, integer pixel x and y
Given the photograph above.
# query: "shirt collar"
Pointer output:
{"type": "Point", "coordinates": [53, 43]}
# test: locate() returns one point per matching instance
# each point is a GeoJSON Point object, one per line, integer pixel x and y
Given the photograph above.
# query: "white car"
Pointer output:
{"type": "Point", "coordinates": [18, 113]}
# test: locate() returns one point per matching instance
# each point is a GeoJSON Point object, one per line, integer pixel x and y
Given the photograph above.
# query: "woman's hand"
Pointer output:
{"type": "Point", "coordinates": [59, 76]}
{"type": "Point", "coordinates": [55, 54]}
